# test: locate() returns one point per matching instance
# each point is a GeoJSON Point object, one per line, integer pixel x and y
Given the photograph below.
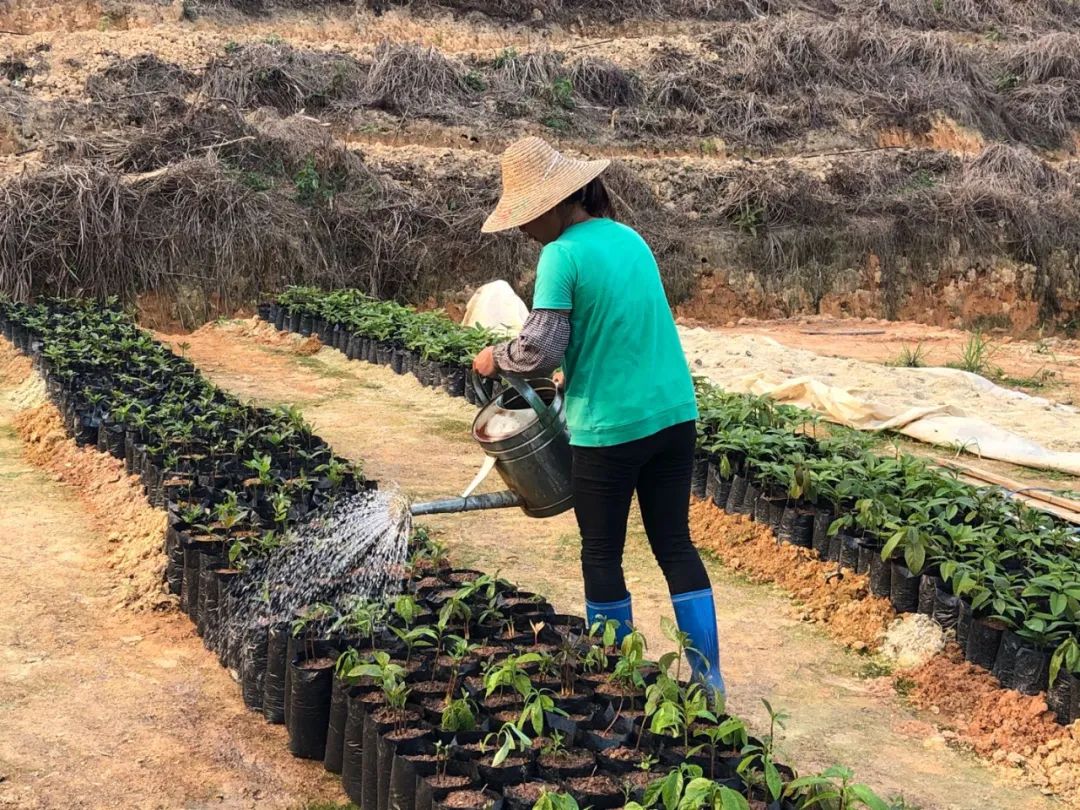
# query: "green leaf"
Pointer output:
{"type": "Point", "coordinates": [671, 790]}
{"type": "Point", "coordinates": [915, 557]}
{"type": "Point", "coordinates": [502, 753]}
{"type": "Point", "coordinates": [890, 546]}
{"type": "Point", "coordinates": [732, 800]}
{"type": "Point", "coordinates": [773, 780]}
{"type": "Point", "coordinates": [865, 795]}
{"type": "Point", "coordinates": [1058, 603]}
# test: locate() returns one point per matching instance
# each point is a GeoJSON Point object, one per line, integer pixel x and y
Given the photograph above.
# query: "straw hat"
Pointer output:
{"type": "Point", "coordinates": [536, 178]}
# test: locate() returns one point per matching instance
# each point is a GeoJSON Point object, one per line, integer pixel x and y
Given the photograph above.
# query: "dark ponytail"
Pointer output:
{"type": "Point", "coordinates": [594, 199]}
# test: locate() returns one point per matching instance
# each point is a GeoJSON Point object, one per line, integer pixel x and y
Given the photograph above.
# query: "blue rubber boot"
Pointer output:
{"type": "Point", "coordinates": [621, 611]}
{"type": "Point", "coordinates": [695, 614]}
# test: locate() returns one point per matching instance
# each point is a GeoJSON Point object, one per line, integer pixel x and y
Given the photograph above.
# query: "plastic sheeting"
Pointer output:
{"type": "Point", "coordinates": [496, 306]}
{"type": "Point", "coordinates": [942, 425]}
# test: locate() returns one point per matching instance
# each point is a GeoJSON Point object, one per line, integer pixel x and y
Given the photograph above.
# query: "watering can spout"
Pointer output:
{"type": "Point", "coordinates": [473, 503]}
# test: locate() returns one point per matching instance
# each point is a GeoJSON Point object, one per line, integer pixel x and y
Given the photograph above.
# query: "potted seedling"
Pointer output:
{"type": "Point", "coordinates": [555, 800]}
{"type": "Point", "coordinates": [758, 768]}
{"type": "Point", "coordinates": [558, 762]}
{"type": "Point", "coordinates": [459, 716]}
{"type": "Point", "coordinates": [365, 617]}
{"type": "Point", "coordinates": [309, 685]}
{"type": "Point", "coordinates": [510, 762]}
{"type": "Point", "coordinates": [626, 682]}
{"type": "Point", "coordinates": [539, 707]}
{"type": "Point", "coordinates": [834, 787]}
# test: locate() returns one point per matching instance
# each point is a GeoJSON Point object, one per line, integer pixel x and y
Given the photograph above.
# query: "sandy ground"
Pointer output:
{"type": "Point", "coordinates": [419, 439]}
{"type": "Point", "coordinates": [103, 707]}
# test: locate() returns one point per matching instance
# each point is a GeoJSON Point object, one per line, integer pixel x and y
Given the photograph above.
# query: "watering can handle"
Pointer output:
{"type": "Point", "coordinates": [527, 393]}
{"type": "Point", "coordinates": [483, 387]}
{"type": "Point", "coordinates": [519, 384]}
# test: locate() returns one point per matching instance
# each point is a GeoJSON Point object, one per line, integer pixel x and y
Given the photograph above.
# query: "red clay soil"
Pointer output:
{"type": "Point", "coordinates": [845, 606]}
{"type": "Point", "coordinates": [999, 724]}
{"type": "Point", "coordinates": [114, 501]}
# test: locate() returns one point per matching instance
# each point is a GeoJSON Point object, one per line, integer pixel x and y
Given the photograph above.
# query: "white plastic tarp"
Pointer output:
{"type": "Point", "coordinates": [496, 306]}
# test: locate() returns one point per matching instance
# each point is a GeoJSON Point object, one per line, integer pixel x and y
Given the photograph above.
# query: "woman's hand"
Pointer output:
{"type": "Point", "coordinates": [484, 363]}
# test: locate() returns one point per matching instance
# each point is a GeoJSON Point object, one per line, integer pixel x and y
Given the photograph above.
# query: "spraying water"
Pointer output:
{"type": "Point", "coordinates": [356, 548]}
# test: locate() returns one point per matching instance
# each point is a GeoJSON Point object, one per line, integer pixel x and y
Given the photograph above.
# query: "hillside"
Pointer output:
{"type": "Point", "coordinates": [872, 159]}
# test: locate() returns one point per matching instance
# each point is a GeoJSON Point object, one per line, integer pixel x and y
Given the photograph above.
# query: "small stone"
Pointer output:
{"type": "Point", "coordinates": [729, 325]}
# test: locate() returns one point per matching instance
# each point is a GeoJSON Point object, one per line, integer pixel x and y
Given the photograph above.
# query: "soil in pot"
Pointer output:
{"type": "Point", "coordinates": [469, 800]}
{"type": "Point", "coordinates": [599, 792]}
{"type": "Point", "coordinates": [750, 498]}
{"type": "Point", "coordinates": [514, 769]}
{"type": "Point", "coordinates": [389, 717]}
{"type": "Point", "coordinates": [832, 550]}
{"type": "Point", "coordinates": [496, 702]}
{"type": "Point", "coordinates": [1031, 671]}
{"type": "Point", "coordinates": [566, 764]}
{"type": "Point", "coordinates": [448, 782]}
{"type": "Point", "coordinates": [525, 795]}
{"type": "Point", "coordinates": [736, 495]}
{"type": "Point", "coordinates": [622, 759]}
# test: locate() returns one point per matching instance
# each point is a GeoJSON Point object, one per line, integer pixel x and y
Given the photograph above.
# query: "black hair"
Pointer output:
{"type": "Point", "coordinates": [594, 198]}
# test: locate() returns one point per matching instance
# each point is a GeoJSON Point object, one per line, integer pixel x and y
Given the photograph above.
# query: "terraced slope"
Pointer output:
{"type": "Point", "coordinates": [874, 159]}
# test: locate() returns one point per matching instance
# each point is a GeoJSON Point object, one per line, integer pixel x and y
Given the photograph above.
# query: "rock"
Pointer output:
{"type": "Point", "coordinates": [729, 325]}
{"type": "Point", "coordinates": [912, 640]}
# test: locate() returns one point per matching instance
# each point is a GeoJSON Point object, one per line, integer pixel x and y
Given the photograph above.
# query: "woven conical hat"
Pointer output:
{"type": "Point", "coordinates": [536, 178]}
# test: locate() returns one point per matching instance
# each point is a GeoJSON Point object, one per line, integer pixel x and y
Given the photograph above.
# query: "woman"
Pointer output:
{"type": "Point", "coordinates": [600, 311]}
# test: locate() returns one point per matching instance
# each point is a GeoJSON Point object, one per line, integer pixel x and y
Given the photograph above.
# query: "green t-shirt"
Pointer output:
{"type": "Point", "coordinates": [626, 374]}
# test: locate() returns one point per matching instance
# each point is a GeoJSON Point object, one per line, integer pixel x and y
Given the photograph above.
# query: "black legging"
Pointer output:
{"type": "Point", "coordinates": [604, 479]}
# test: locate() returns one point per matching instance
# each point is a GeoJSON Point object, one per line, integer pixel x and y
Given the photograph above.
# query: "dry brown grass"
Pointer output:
{"type": "Point", "coordinates": [754, 84]}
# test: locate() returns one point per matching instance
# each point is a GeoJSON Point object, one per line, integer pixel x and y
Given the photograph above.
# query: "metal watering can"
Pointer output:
{"type": "Point", "coordinates": [522, 429]}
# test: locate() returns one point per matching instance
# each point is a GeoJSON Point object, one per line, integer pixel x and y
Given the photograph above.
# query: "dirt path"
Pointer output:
{"type": "Point", "coordinates": [105, 708]}
{"type": "Point", "coordinates": [419, 439]}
